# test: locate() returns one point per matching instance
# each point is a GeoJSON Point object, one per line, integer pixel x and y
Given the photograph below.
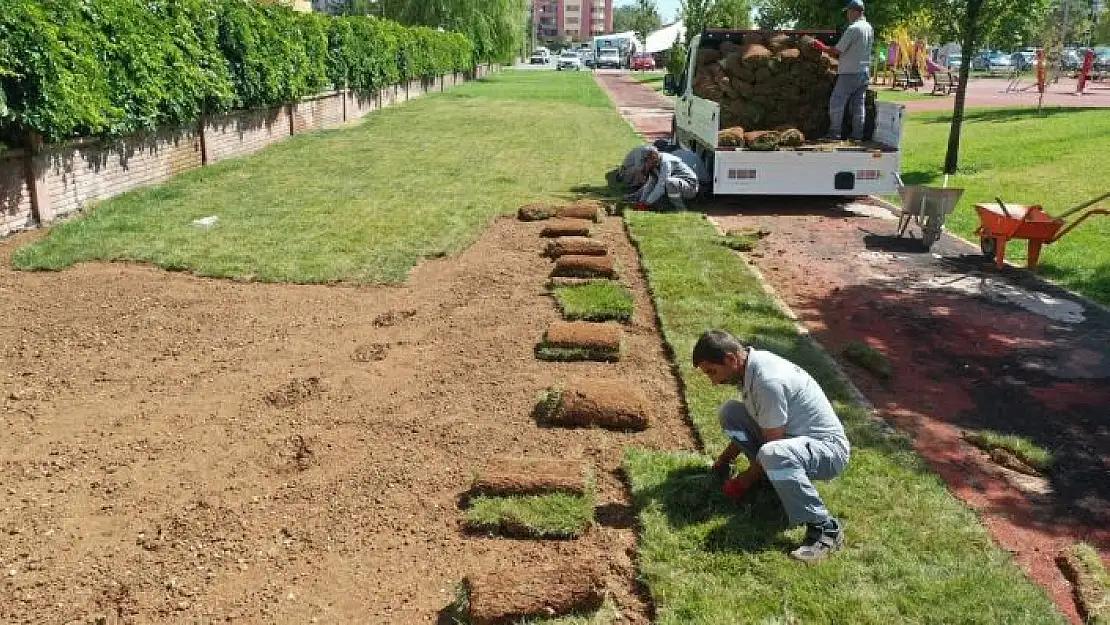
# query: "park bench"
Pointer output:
{"type": "Point", "coordinates": [944, 83]}
{"type": "Point", "coordinates": [907, 79]}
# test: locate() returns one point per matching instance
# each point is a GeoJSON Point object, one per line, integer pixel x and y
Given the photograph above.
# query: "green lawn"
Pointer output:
{"type": "Point", "coordinates": [363, 204]}
{"type": "Point", "coordinates": [886, 94]}
{"type": "Point", "coordinates": [651, 79]}
{"type": "Point", "coordinates": [914, 554]}
{"type": "Point", "coordinates": [555, 515]}
{"type": "Point", "coordinates": [1054, 158]}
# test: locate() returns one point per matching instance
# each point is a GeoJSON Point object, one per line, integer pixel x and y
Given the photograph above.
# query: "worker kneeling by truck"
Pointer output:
{"type": "Point", "coordinates": [663, 169]}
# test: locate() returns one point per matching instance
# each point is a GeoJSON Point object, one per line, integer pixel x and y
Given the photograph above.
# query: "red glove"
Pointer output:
{"type": "Point", "coordinates": [820, 45]}
{"type": "Point", "coordinates": [640, 206]}
{"type": "Point", "coordinates": [736, 488]}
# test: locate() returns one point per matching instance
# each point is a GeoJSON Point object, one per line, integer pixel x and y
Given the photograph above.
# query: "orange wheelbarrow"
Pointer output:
{"type": "Point", "coordinates": [998, 223]}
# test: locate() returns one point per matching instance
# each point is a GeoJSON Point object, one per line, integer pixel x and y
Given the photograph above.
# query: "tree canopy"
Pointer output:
{"type": "Point", "coordinates": [496, 27]}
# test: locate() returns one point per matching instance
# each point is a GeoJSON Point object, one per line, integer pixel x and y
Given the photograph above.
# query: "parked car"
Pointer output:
{"type": "Point", "coordinates": [1071, 60]}
{"type": "Point", "coordinates": [643, 62]}
{"type": "Point", "coordinates": [539, 58]}
{"type": "Point", "coordinates": [992, 62]}
{"type": "Point", "coordinates": [568, 60]}
{"type": "Point", "coordinates": [1023, 60]}
{"type": "Point", "coordinates": [954, 62]}
{"type": "Point", "coordinates": [608, 57]}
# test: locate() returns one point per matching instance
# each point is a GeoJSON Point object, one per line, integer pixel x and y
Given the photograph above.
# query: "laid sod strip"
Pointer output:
{"type": "Point", "coordinates": [1012, 451]}
{"type": "Point", "coordinates": [869, 358]}
{"type": "Point", "coordinates": [458, 613]}
{"type": "Point", "coordinates": [914, 554]}
{"type": "Point", "coordinates": [530, 476]}
{"type": "Point", "coordinates": [584, 267]}
{"type": "Point", "coordinates": [598, 300]}
{"type": "Point", "coordinates": [576, 246]}
{"type": "Point", "coordinates": [509, 595]}
{"type": "Point", "coordinates": [551, 516]}
{"type": "Point", "coordinates": [536, 211]}
{"type": "Point", "coordinates": [580, 340]}
{"type": "Point", "coordinates": [566, 228]}
{"type": "Point", "coordinates": [1083, 567]}
{"type": "Point", "coordinates": [594, 403]}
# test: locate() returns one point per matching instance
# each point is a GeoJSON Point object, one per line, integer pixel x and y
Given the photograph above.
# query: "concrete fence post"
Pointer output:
{"type": "Point", "coordinates": [37, 166]}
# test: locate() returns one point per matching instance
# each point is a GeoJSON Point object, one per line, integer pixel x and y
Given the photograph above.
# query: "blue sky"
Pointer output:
{"type": "Point", "coordinates": [667, 8]}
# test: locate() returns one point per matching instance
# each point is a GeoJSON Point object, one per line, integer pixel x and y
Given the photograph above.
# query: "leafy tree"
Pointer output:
{"type": "Point", "coordinates": [1100, 34]}
{"type": "Point", "coordinates": [495, 26]}
{"type": "Point", "coordinates": [646, 19]}
{"type": "Point", "coordinates": [624, 18]}
{"type": "Point", "coordinates": [695, 16]}
{"type": "Point", "coordinates": [730, 14]}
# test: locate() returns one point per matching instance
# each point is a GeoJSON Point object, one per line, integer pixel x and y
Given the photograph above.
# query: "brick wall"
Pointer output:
{"type": "Point", "coordinates": [244, 132]}
{"type": "Point", "coordinates": [78, 173]}
{"type": "Point", "coordinates": [59, 180]}
{"type": "Point", "coordinates": [324, 111]}
{"type": "Point", "coordinates": [15, 194]}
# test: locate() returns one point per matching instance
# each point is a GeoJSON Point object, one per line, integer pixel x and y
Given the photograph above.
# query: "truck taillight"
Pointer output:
{"type": "Point", "coordinates": [867, 174]}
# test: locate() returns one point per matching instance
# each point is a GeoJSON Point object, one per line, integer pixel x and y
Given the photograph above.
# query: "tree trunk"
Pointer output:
{"type": "Point", "coordinates": [971, 37]}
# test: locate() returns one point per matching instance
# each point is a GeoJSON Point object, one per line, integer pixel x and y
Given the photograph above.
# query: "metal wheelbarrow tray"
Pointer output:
{"type": "Point", "coordinates": [928, 207]}
{"type": "Point", "coordinates": [1000, 222]}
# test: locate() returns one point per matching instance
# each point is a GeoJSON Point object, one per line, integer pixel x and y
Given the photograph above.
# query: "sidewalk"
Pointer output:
{"type": "Point", "coordinates": [970, 348]}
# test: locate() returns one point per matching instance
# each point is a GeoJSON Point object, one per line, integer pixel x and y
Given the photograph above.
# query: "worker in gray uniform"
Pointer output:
{"type": "Point", "coordinates": [853, 72]}
{"type": "Point", "coordinates": [786, 428]}
{"type": "Point", "coordinates": [666, 175]}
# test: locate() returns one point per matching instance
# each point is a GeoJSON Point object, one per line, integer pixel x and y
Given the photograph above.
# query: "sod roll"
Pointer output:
{"type": "Point", "coordinates": [575, 246]}
{"type": "Point", "coordinates": [608, 404]}
{"type": "Point", "coordinates": [566, 228]}
{"type": "Point", "coordinates": [530, 476]}
{"type": "Point", "coordinates": [536, 211]}
{"type": "Point", "coordinates": [509, 595]}
{"type": "Point", "coordinates": [574, 266]}
{"type": "Point", "coordinates": [583, 209]}
{"type": "Point", "coordinates": [584, 335]}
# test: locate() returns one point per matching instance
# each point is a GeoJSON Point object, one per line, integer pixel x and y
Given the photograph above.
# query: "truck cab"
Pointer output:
{"type": "Point", "coordinates": [810, 169]}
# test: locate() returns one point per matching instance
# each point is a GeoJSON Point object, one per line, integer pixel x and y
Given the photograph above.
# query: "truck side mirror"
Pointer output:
{"type": "Point", "coordinates": [669, 85]}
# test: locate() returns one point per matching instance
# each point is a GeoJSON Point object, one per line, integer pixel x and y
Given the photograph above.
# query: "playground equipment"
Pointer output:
{"type": "Point", "coordinates": [998, 223]}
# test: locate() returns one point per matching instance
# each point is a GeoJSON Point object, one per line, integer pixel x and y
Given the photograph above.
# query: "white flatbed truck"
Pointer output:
{"type": "Point", "coordinates": [808, 170]}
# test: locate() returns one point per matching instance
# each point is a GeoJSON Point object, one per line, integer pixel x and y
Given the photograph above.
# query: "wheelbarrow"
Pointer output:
{"type": "Point", "coordinates": [928, 207]}
{"type": "Point", "coordinates": [1000, 222]}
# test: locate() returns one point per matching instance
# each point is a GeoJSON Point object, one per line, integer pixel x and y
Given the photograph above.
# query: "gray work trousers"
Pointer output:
{"type": "Point", "coordinates": [850, 92]}
{"type": "Point", "coordinates": [790, 463]}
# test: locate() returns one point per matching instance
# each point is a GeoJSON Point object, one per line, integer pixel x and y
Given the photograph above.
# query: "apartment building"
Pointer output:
{"type": "Point", "coordinates": [576, 20]}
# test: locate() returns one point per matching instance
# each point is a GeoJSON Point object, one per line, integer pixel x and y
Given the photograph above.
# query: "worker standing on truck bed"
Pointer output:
{"type": "Point", "coordinates": [854, 73]}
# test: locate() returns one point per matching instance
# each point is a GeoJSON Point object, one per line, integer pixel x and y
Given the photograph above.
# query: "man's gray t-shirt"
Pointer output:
{"type": "Point", "coordinates": [855, 48]}
{"type": "Point", "coordinates": [780, 394]}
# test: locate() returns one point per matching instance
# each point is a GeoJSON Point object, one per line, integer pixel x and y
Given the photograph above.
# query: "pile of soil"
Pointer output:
{"type": "Point", "coordinates": [510, 595]}
{"type": "Point", "coordinates": [530, 476]}
{"type": "Point", "coordinates": [610, 405]}
{"type": "Point", "coordinates": [576, 246]}
{"type": "Point", "coordinates": [574, 266]}
{"type": "Point", "coordinates": [566, 228]}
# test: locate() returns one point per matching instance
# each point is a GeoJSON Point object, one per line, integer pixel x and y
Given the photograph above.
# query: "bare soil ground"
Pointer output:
{"type": "Point", "coordinates": [178, 449]}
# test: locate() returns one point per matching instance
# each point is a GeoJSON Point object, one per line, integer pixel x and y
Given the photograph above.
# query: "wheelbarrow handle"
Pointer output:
{"type": "Point", "coordinates": [1004, 209]}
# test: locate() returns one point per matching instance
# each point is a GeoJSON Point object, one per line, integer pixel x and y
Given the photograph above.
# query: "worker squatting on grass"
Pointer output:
{"type": "Point", "coordinates": [787, 429]}
{"type": "Point", "coordinates": [653, 171]}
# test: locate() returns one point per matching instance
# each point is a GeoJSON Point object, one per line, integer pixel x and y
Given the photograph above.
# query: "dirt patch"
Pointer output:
{"type": "Point", "coordinates": [509, 595]}
{"type": "Point", "coordinates": [584, 267]}
{"type": "Point", "coordinates": [969, 348]}
{"type": "Point", "coordinates": [567, 228]}
{"type": "Point", "coordinates": [575, 246]}
{"type": "Point", "coordinates": [293, 454]}
{"type": "Point", "coordinates": [393, 317]}
{"type": "Point", "coordinates": [594, 403]}
{"type": "Point", "coordinates": [530, 476]}
{"type": "Point", "coordinates": [132, 402]}
{"type": "Point", "coordinates": [371, 352]}
{"type": "Point", "coordinates": [295, 392]}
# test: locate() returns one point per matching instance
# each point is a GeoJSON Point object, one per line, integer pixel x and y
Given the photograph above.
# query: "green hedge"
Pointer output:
{"type": "Point", "coordinates": [113, 67]}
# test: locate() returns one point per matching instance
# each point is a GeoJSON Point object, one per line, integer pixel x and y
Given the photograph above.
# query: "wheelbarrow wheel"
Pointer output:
{"type": "Point", "coordinates": [989, 246]}
{"type": "Point", "coordinates": [930, 231]}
